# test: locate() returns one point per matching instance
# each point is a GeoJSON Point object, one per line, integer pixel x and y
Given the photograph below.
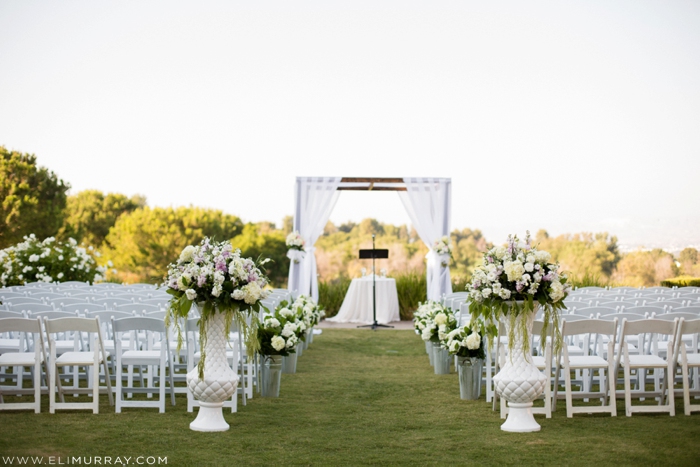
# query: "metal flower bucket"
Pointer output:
{"type": "Point", "coordinates": [441, 360]}
{"type": "Point", "coordinates": [429, 351]}
{"type": "Point", "coordinates": [271, 375]}
{"type": "Point", "coordinates": [470, 377]}
{"type": "Point", "coordinates": [289, 363]}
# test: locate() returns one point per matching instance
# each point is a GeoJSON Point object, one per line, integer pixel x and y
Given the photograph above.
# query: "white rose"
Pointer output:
{"type": "Point", "coordinates": [289, 329]}
{"type": "Point", "coordinates": [216, 291]}
{"type": "Point", "coordinates": [505, 294]}
{"type": "Point", "coordinates": [529, 267]}
{"type": "Point", "coordinates": [486, 292]}
{"type": "Point", "coordinates": [556, 291]}
{"type": "Point", "coordinates": [278, 343]}
{"type": "Point", "coordinates": [473, 341]}
{"type": "Point", "coordinates": [191, 294]}
{"type": "Point", "coordinates": [440, 318]}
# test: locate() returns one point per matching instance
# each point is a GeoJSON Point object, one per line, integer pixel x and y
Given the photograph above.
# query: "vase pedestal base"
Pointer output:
{"type": "Point", "coordinates": [210, 417]}
{"type": "Point", "coordinates": [520, 418]}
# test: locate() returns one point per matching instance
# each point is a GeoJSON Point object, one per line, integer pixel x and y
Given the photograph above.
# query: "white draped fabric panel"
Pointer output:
{"type": "Point", "coordinates": [315, 198]}
{"type": "Point", "coordinates": [428, 203]}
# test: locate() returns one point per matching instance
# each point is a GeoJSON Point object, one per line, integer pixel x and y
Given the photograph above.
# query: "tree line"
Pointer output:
{"type": "Point", "coordinates": [141, 240]}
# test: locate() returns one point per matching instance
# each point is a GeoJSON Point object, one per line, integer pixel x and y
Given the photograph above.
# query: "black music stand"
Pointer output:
{"type": "Point", "coordinates": [374, 254]}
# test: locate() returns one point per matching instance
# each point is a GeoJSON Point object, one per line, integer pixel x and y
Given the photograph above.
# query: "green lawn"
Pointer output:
{"type": "Point", "coordinates": [359, 397]}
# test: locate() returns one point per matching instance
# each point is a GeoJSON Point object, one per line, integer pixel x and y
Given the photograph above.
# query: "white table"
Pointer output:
{"type": "Point", "coordinates": [357, 305]}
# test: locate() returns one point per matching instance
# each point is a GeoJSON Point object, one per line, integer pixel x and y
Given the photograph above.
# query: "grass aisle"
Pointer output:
{"type": "Point", "coordinates": [359, 397]}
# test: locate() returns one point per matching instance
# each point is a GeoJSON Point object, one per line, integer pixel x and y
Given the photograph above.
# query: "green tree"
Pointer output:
{"type": "Point", "coordinates": [259, 240]}
{"type": "Point", "coordinates": [143, 242]}
{"type": "Point", "coordinates": [468, 247]}
{"type": "Point", "coordinates": [645, 268]}
{"type": "Point", "coordinates": [688, 258]}
{"type": "Point", "coordinates": [90, 214]}
{"type": "Point", "coordinates": [33, 198]}
{"type": "Point", "coordinates": [583, 253]}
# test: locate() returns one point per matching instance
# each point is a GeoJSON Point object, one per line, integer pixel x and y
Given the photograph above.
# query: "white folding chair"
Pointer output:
{"type": "Point", "coordinates": [688, 361]}
{"type": "Point", "coordinates": [142, 353]}
{"type": "Point", "coordinates": [647, 329]}
{"type": "Point", "coordinates": [590, 330]}
{"type": "Point", "coordinates": [94, 357]}
{"type": "Point", "coordinates": [24, 357]}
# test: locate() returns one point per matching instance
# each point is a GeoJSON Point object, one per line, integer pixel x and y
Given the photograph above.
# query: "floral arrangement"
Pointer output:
{"type": "Point", "coordinates": [512, 279]}
{"type": "Point", "coordinates": [433, 321]}
{"type": "Point", "coordinates": [443, 248]}
{"type": "Point", "coordinates": [295, 241]}
{"type": "Point", "coordinates": [215, 277]}
{"type": "Point", "coordinates": [49, 261]}
{"type": "Point", "coordinates": [279, 333]}
{"type": "Point", "coordinates": [309, 310]}
{"type": "Point", "coordinates": [467, 341]}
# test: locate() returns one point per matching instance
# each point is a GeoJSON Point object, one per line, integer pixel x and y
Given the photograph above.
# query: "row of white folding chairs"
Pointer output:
{"type": "Point", "coordinates": [140, 348]}
{"type": "Point", "coordinates": [592, 352]}
{"type": "Point", "coordinates": [645, 290]}
{"type": "Point", "coordinates": [83, 307]}
{"type": "Point", "coordinates": [87, 295]}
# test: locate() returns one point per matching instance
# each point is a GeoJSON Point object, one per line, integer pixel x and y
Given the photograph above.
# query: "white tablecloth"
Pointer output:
{"type": "Point", "coordinates": [357, 306]}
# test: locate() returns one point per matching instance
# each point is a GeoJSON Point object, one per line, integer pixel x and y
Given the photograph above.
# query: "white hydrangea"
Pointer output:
{"type": "Point", "coordinates": [514, 270]}
{"type": "Point", "coordinates": [473, 341]}
{"type": "Point", "coordinates": [278, 343]}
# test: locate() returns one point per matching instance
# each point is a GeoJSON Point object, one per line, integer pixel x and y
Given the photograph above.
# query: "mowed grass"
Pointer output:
{"type": "Point", "coordinates": [359, 397]}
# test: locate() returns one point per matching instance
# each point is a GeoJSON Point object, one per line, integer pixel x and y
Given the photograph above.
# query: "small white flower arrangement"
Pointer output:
{"type": "Point", "coordinates": [433, 321]}
{"type": "Point", "coordinates": [467, 340]}
{"type": "Point", "coordinates": [295, 241]}
{"type": "Point", "coordinates": [213, 275]}
{"type": "Point", "coordinates": [49, 260]}
{"type": "Point", "coordinates": [443, 247]}
{"type": "Point", "coordinates": [278, 333]}
{"type": "Point", "coordinates": [514, 279]}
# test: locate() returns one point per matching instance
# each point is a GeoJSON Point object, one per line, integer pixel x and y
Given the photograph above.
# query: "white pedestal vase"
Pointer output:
{"type": "Point", "coordinates": [520, 382]}
{"type": "Point", "coordinates": [220, 381]}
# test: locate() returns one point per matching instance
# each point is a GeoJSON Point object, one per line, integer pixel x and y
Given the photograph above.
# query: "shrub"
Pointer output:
{"type": "Point", "coordinates": [332, 293]}
{"type": "Point", "coordinates": [48, 261]}
{"type": "Point", "coordinates": [682, 281]}
{"type": "Point", "coordinates": [412, 289]}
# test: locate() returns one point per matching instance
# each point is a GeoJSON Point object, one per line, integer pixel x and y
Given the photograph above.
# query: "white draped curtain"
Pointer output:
{"type": "Point", "coordinates": [315, 198]}
{"type": "Point", "coordinates": [428, 203]}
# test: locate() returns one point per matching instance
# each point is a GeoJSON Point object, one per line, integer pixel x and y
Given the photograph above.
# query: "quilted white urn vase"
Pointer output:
{"type": "Point", "coordinates": [520, 382]}
{"type": "Point", "coordinates": [220, 381]}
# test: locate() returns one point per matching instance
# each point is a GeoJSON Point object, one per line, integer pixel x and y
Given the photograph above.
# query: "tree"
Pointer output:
{"type": "Point", "coordinates": [33, 198]}
{"type": "Point", "coordinates": [582, 254]}
{"type": "Point", "coordinates": [468, 247]}
{"type": "Point", "coordinates": [143, 242]}
{"type": "Point", "coordinates": [257, 240]}
{"type": "Point", "coordinates": [645, 268]}
{"type": "Point", "coordinates": [688, 258]}
{"type": "Point", "coordinates": [90, 214]}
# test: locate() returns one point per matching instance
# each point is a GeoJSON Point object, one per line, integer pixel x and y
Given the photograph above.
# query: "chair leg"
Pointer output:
{"type": "Point", "coordinates": [37, 386]}
{"type": "Point", "coordinates": [567, 391]}
{"type": "Point", "coordinates": [52, 390]}
{"type": "Point", "coordinates": [628, 391]}
{"type": "Point", "coordinates": [118, 398]}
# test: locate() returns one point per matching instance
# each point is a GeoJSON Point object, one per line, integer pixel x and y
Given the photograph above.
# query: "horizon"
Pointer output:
{"type": "Point", "coordinates": [564, 117]}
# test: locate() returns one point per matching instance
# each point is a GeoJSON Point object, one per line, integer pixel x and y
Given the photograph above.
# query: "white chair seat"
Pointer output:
{"type": "Point", "coordinates": [9, 343]}
{"type": "Point", "coordinates": [140, 355]}
{"type": "Point", "coordinates": [15, 358]}
{"type": "Point", "coordinates": [647, 361]}
{"type": "Point", "coordinates": [77, 358]}
{"type": "Point", "coordinates": [589, 361]}
{"type": "Point", "coordinates": [693, 359]}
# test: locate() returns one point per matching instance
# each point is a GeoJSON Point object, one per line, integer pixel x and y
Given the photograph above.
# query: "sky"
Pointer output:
{"type": "Point", "coordinates": [564, 116]}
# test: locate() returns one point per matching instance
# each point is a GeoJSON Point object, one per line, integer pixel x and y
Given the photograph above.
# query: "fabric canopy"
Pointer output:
{"type": "Point", "coordinates": [315, 198]}
{"type": "Point", "coordinates": [428, 202]}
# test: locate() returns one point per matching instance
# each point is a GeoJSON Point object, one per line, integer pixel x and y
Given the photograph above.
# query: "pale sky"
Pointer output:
{"type": "Point", "coordinates": [568, 116]}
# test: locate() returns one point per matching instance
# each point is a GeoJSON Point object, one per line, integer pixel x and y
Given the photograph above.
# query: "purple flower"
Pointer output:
{"type": "Point", "coordinates": [221, 266]}
{"type": "Point", "coordinates": [201, 280]}
{"type": "Point", "coordinates": [519, 286]}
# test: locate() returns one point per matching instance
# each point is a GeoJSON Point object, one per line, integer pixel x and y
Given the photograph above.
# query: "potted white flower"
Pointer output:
{"type": "Point", "coordinates": [278, 335]}
{"type": "Point", "coordinates": [435, 322]}
{"type": "Point", "coordinates": [511, 285]}
{"type": "Point", "coordinates": [225, 288]}
{"type": "Point", "coordinates": [467, 343]}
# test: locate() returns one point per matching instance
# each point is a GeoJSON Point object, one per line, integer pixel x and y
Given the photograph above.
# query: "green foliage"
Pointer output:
{"type": "Point", "coordinates": [33, 198]}
{"type": "Point", "coordinates": [583, 253]}
{"type": "Point", "coordinates": [332, 293]}
{"type": "Point", "coordinates": [143, 242]}
{"type": "Point", "coordinates": [689, 262]}
{"type": "Point", "coordinates": [682, 281]}
{"type": "Point", "coordinates": [412, 289]}
{"type": "Point", "coordinates": [48, 261]}
{"type": "Point", "coordinates": [257, 240]}
{"type": "Point", "coordinates": [645, 268]}
{"type": "Point", "coordinates": [587, 280]}
{"type": "Point", "coordinates": [468, 247]}
{"type": "Point", "coordinates": [90, 214]}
